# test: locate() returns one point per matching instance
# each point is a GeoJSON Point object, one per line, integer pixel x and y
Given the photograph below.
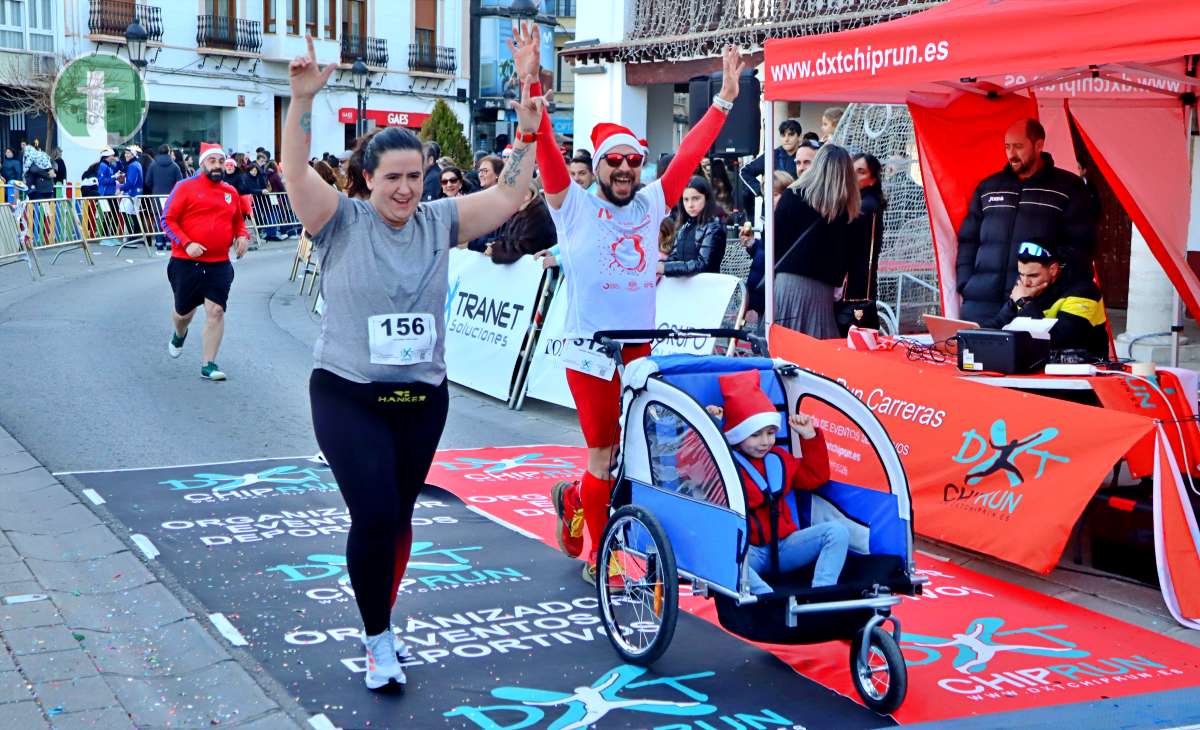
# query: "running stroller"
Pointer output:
{"type": "Point", "coordinates": [678, 512]}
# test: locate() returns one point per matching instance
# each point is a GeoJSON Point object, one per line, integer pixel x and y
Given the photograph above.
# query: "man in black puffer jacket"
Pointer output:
{"type": "Point", "coordinates": [1030, 199]}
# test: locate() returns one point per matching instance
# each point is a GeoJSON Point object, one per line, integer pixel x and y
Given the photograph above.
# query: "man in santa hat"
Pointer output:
{"type": "Point", "coordinates": [203, 220]}
{"type": "Point", "coordinates": [608, 249]}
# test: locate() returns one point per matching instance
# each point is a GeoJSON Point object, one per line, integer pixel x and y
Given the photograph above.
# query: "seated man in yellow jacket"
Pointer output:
{"type": "Point", "coordinates": [1046, 290]}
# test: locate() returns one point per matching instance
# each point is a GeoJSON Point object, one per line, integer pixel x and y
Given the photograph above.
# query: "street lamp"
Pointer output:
{"type": "Point", "coordinates": [526, 9]}
{"type": "Point", "coordinates": [361, 78]}
{"type": "Point", "coordinates": [135, 42]}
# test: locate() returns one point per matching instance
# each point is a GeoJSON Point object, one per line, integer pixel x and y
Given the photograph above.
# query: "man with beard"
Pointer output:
{"type": "Point", "coordinates": [203, 219]}
{"type": "Point", "coordinates": [1029, 200]}
{"type": "Point", "coordinates": [608, 250]}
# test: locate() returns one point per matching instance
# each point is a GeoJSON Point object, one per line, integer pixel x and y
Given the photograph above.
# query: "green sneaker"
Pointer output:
{"type": "Point", "coordinates": [175, 346]}
{"type": "Point", "coordinates": [211, 371]}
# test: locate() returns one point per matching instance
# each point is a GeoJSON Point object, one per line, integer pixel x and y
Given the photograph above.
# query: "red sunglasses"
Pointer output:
{"type": "Point", "coordinates": [633, 158]}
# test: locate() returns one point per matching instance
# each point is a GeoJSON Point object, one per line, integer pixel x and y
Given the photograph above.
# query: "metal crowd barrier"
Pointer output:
{"type": "Point", "coordinates": [28, 227]}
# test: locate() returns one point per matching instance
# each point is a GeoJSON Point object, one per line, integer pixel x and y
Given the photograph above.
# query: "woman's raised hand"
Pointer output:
{"type": "Point", "coordinates": [306, 77]}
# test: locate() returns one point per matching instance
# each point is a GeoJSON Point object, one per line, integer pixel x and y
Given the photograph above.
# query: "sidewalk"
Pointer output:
{"type": "Point", "coordinates": [91, 638]}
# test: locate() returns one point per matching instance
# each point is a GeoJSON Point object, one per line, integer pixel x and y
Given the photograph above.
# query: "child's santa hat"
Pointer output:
{"type": "Point", "coordinates": [747, 407]}
{"type": "Point", "coordinates": [607, 135]}
{"type": "Point", "coordinates": [207, 150]}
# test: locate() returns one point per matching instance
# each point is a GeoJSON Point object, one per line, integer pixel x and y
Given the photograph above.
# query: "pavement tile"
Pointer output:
{"type": "Point", "coordinates": [25, 482]}
{"type": "Point", "coordinates": [22, 715]}
{"type": "Point", "coordinates": [274, 721]}
{"type": "Point", "coordinates": [12, 573]}
{"type": "Point", "coordinates": [85, 544]}
{"type": "Point", "coordinates": [40, 639]}
{"type": "Point", "coordinates": [9, 445]}
{"type": "Point", "coordinates": [7, 554]}
{"type": "Point", "coordinates": [14, 688]}
{"type": "Point", "coordinates": [20, 461]}
{"type": "Point", "coordinates": [21, 587]}
{"type": "Point", "coordinates": [49, 498]}
{"type": "Point", "coordinates": [76, 695]}
{"type": "Point", "coordinates": [52, 665]}
{"type": "Point", "coordinates": [68, 519]}
{"type": "Point", "coordinates": [144, 607]}
{"type": "Point", "coordinates": [119, 572]}
{"type": "Point", "coordinates": [26, 615]}
{"type": "Point", "coordinates": [219, 695]}
{"type": "Point", "coordinates": [6, 659]}
{"type": "Point", "coordinates": [114, 718]}
{"type": "Point", "coordinates": [171, 650]}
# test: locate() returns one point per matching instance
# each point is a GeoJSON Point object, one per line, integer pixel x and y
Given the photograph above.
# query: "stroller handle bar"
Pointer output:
{"type": "Point", "coordinates": [610, 339]}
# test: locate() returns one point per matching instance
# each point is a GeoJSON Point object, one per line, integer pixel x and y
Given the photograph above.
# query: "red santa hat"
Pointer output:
{"type": "Point", "coordinates": [607, 135]}
{"type": "Point", "coordinates": [747, 407]}
{"type": "Point", "coordinates": [207, 150]}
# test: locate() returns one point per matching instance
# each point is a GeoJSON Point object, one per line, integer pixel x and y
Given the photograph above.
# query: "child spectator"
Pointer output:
{"type": "Point", "coordinates": [751, 423]}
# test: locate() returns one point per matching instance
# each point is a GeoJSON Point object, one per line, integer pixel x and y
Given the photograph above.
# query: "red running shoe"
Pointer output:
{"type": "Point", "coordinates": [568, 505]}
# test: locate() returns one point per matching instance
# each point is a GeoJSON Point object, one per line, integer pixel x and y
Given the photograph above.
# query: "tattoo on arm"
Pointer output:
{"type": "Point", "coordinates": [513, 169]}
{"type": "Point", "coordinates": [306, 125]}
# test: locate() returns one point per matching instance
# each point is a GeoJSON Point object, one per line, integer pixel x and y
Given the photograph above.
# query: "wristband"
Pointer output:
{"type": "Point", "coordinates": [527, 137]}
{"type": "Point", "coordinates": [725, 106]}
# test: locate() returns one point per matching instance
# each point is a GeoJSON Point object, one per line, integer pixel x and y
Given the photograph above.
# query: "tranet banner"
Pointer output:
{"type": "Point", "coordinates": [697, 302]}
{"type": "Point", "coordinates": [489, 308]}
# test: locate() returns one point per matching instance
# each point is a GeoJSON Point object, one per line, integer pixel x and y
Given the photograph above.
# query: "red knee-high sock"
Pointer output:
{"type": "Point", "coordinates": [403, 550]}
{"type": "Point", "coordinates": [595, 494]}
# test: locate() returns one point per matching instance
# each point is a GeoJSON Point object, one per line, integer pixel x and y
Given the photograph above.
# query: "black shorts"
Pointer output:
{"type": "Point", "coordinates": [195, 281]}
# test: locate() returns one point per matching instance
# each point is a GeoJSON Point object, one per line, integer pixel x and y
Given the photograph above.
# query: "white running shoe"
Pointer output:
{"type": "Point", "coordinates": [383, 665]}
{"type": "Point", "coordinates": [175, 346]}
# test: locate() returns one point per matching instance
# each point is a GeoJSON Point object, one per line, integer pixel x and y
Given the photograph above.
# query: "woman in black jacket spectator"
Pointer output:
{"type": "Point", "coordinates": [864, 259]}
{"type": "Point", "coordinates": [700, 237]}
{"type": "Point", "coordinates": [531, 229]}
{"type": "Point", "coordinates": [814, 230]}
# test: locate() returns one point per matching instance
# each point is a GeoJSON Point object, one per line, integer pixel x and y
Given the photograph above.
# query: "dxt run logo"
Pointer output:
{"type": "Point", "coordinates": [277, 481]}
{"type": "Point", "coordinates": [430, 568]}
{"type": "Point", "coordinates": [1018, 459]}
{"type": "Point", "coordinates": [619, 691]}
{"type": "Point", "coordinates": [1032, 659]}
{"type": "Point", "coordinates": [534, 465]}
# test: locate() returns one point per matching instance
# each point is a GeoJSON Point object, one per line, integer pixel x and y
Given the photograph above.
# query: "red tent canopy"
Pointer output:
{"type": "Point", "coordinates": [1124, 73]}
{"type": "Point", "coordinates": [974, 39]}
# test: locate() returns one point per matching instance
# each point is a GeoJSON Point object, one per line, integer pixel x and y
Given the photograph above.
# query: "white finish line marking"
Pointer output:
{"type": "Point", "coordinates": [93, 496]}
{"type": "Point", "coordinates": [228, 630]}
{"type": "Point", "coordinates": [320, 722]}
{"type": "Point", "coordinates": [145, 546]}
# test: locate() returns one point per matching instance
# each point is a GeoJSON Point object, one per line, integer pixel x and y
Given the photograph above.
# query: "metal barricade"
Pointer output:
{"type": "Point", "coordinates": [272, 217]}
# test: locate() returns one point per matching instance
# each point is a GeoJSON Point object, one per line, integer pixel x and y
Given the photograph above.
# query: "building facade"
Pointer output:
{"type": "Point", "coordinates": [30, 36]}
{"type": "Point", "coordinates": [217, 69]}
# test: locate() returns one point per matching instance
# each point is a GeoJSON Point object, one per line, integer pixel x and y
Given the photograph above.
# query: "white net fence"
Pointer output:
{"type": "Point", "coordinates": [680, 29]}
{"type": "Point", "coordinates": [907, 278]}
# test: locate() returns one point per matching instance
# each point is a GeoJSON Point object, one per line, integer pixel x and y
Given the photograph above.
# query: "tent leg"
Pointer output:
{"type": "Point", "coordinates": [768, 188]}
{"type": "Point", "coordinates": [1176, 326]}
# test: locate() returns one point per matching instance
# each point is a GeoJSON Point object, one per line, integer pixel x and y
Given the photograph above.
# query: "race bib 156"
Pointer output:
{"type": "Point", "coordinates": [401, 339]}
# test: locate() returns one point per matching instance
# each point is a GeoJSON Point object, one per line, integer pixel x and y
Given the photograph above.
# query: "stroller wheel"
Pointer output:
{"type": "Point", "coordinates": [637, 585]}
{"type": "Point", "coordinates": [881, 681]}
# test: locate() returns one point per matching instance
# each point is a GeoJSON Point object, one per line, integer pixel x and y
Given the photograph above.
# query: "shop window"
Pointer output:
{"type": "Point", "coordinates": [680, 461]}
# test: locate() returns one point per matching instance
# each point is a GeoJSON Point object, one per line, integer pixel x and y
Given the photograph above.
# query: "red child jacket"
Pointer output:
{"type": "Point", "coordinates": [808, 472]}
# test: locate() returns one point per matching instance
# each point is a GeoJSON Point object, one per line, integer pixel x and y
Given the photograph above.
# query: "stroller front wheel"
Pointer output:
{"type": "Point", "coordinates": [637, 585]}
{"type": "Point", "coordinates": [882, 680]}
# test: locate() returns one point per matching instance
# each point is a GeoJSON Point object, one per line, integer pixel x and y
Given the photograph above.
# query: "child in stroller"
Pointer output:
{"type": "Point", "coordinates": [768, 474]}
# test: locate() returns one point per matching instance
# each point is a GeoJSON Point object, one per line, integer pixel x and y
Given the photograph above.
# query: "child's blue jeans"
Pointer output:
{"type": "Point", "coordinates": [824, 543]}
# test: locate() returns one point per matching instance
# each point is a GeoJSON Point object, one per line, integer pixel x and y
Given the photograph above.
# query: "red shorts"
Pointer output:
{"type": "Point", "coordinates": [599, 401]}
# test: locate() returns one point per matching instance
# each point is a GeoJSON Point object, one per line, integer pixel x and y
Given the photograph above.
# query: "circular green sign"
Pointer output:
{"type": "Point", "coordinates": [99, 100]}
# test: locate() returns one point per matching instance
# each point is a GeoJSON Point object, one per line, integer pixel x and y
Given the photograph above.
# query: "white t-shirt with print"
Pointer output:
{"type": "Point", "coordinates": [609, 255]}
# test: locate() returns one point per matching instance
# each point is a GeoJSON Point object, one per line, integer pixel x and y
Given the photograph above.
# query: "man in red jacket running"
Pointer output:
{"type": "Point", "coordinates": [203, 219]}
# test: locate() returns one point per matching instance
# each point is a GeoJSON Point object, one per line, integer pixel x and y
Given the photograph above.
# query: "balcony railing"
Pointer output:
{"type": "Point", "coordinates": [373, 51]}
{"type": "Point", "coordinates": [227, 33]}
{"type": "Point", "coordinates": [112, 18]}
{"type": "Point", "coordinates": [434, 59]}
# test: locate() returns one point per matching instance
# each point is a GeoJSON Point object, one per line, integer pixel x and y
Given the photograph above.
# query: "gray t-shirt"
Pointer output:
{"type": "Point", "coordinates": [370, 269]}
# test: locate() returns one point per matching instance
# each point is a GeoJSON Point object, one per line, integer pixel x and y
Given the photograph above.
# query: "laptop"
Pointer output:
{"type": "Point", "coordinates": [943, 328]}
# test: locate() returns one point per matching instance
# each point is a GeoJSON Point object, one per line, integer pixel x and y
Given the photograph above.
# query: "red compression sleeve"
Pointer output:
{"type": "Point", "coordinates": [555, 176]}
{"type": "Point", "coordinates": [691, 150]}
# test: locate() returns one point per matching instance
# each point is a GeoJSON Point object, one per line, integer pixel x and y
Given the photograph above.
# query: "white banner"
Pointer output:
{"type": "Point", "coordinates": [695, 302]}
{"type": "Point", "coordinates": [489, 308]}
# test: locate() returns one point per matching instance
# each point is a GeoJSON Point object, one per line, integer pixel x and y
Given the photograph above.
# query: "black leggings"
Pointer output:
{"type": "Point", "coordinates": [379, 440]}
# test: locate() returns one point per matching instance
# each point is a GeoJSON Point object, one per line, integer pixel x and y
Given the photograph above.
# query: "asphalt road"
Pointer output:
{"type": "Point", "coordinates": [86, 383]}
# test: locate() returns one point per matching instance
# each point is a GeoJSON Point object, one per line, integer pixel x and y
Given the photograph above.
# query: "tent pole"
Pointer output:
{"type": "Point", "coordinates": [768, 188]}
{"type": "Point", "coordinates": [1176, 300]}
